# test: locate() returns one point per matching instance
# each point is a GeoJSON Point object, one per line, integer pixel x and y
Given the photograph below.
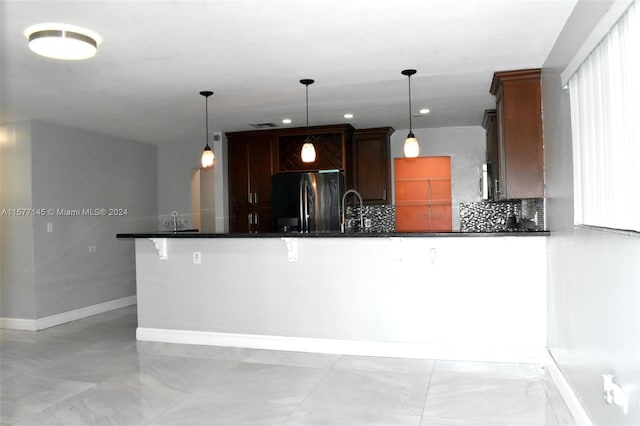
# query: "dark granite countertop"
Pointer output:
{"type": "Point", "coordinates": [169, 234]}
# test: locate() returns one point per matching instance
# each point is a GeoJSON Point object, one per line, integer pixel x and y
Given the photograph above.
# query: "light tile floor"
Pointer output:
{"type": "Point", "coordinates": [93, 372]}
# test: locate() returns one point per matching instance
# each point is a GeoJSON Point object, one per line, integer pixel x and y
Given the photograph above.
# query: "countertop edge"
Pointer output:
{"type": "Point", "coordinates": [333, 235]}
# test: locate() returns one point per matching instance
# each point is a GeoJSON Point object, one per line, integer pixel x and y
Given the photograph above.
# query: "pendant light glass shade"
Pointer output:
{"type": "Point", "coordinates": [208, 159]}
{"type": "Point", "coordinates": [308, 152]}
{"type": "Point", "coordinates": [411, 145]}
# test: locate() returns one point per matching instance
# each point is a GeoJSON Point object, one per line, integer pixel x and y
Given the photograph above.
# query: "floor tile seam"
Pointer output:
{"type": "Point", "coordinates": [277, 364]}
{"type": "Point", "coordinates": [497, 379]}
{"type": "Point", "coordinates": [426, 394]}
{"type": "Point", "coordinates": [187, 396]}
{"type": "Point", "coordinates": [55, 404]}
{"type": "Point", "coordinates": [320, 380]}
{"type": "Point", "coordinates": [32, 375]}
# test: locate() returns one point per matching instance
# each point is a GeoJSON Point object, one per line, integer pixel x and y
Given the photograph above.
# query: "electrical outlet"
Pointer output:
{"type": "Point", "coordinates": [197, 258]}
{"type": "Point", "coordinates": [614, 394]}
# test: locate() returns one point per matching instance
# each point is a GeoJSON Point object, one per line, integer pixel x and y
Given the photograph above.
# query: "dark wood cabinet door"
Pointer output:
{"type": "Point", "coordinates": [519, 118]}
{"type": "Point", "coordinates": [262, 221]}
{"type": "Point", "coordinates": [253, 220]}
{"type": "Point", "coordinates": [371, 172]}
{"type": "Point", "coordinates": [250, 166]}
{"type": "Point", "coordinates": [261, 168]}
{"type": "Point", "coordinates": [238, 170]}
{"type": "Point", "coordinates": [240, 220]}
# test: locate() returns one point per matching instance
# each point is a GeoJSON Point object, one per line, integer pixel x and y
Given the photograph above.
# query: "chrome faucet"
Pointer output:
{"type": "Point", "coordinates": [174, 215]}
{"type": "Point", "coordinates": [344, 212]}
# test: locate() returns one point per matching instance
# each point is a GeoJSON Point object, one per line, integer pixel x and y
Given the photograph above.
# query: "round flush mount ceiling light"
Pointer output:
{"type": "Point", "coordinates": [61, 41]}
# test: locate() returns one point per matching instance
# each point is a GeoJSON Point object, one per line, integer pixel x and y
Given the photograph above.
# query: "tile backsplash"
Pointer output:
{"type": "Point", "coordinates": [488, 216]}
{"type": "Point", "coordinates": [474, 217]}
{"type": "Point", "coordinates": [380, 217]}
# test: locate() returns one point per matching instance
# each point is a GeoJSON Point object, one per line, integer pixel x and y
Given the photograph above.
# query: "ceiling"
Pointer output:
{"type": "Point", "coordinates": [157, 56]}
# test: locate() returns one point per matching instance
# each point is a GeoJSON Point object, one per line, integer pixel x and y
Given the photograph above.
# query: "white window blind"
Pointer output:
{"type": "Point", "coordinates": [605, 119]}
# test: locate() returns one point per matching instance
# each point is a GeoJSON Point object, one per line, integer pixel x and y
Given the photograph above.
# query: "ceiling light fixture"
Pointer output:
{"type": "Point", "coordinates": [348, 116]}
{"type": "Point", "coordinates": [411, 146]}
{"type": "Point", "coordinates": [308, 152]}
{"type": "Point", "coordinates": [60, 41]}
{"type": "Point", "coordinates": [208, 158]}
{"type": "Point", "coordinates": [425, 111]}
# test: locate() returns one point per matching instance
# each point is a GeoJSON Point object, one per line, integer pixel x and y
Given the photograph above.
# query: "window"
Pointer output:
{"type": "Point", "coordinates": [605, 119]}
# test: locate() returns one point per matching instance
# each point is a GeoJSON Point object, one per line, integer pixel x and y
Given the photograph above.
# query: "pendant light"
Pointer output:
{"type": "Point", "coordinates": [208, 159]}
{"type": "Point", "coordinates": [411, 146]}
{"type": "Point", "coordinates": [308, 152]}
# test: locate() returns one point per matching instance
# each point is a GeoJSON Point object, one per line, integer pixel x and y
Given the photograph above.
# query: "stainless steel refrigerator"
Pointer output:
{"type": "Point", "coordinates": [307, 202]}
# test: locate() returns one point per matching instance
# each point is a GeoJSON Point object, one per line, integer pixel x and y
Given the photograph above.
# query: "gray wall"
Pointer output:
{"type": "Point", "coordinates": [593, 275]}
{"type": "Point", "coordinates": [80, 263]}
{"type": "Point", "coordinates": [175, 163]}
{"type": "Point", "coordinates": [467, 148]}
{"type": "Point", "coordinates": [16, 234]}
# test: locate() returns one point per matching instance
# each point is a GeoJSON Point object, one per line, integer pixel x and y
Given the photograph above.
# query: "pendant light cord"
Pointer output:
{"type": "Point", "coordinates": [206, 120]}
{"type": "Point", "coordinates": [410, 125]}
{"type": "Point", "coordinates": [307, 101]}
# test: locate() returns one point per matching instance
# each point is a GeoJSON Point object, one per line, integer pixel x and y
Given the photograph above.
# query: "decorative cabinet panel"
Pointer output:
{"type": "Point", "coordinates": [328, 153]}
{"type": "Point", "coordinates": [332, 143]}
{"type": "Point", "coordinates": [251, 164]}
{"type": "Point", "coordinates": [423, 194]}
{"type": "Point", "coordinates": [519, 122]}
{"type": "Point", "coordinates": [371, 172]}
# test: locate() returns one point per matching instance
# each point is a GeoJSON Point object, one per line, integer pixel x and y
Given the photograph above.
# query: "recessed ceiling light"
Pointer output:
{"type": "Point", "coordinates": [348, 115]}
{"type": "Point", "coordinates": [61, 41]}
{"type": "Point", "coordinates": [425, 111]}
{"type": "Point", "coordinates": [286, 121]}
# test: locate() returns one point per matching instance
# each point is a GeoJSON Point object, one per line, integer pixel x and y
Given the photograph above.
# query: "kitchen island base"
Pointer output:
{"type": "Point", "coordinates": [418, 297]}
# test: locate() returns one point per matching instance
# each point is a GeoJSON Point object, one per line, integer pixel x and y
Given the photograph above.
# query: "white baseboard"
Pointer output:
{"type": "Point", "coordinates": [64, 317]}
{"type": "Point", "coordinates": [570, 398]}
{"type": "Point", "coordinates": [344, 347]}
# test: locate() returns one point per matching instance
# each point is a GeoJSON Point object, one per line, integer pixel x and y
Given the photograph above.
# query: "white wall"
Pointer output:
{"type": "Point", "coordinates": [593, 275]}
{"type": "Point", "coordinates": [69, 169]}
{"type": "Point", "coordinates": [467, 148]}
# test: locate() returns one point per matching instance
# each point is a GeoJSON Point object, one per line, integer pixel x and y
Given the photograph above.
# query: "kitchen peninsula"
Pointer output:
{"type": "Point", "coordinates": [476, 296]}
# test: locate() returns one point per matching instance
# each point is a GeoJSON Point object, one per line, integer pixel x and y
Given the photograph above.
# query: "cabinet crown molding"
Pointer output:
{"type": "Point", "coordinates": [502, 76]}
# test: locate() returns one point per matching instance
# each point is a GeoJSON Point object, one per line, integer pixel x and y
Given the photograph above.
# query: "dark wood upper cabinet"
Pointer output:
{"type": "Point", "coordinates": [519, 122]}
{"type": "Point", "coordinates": [254, 156]}
{"type": "Point", "coordinates": [371, 171]}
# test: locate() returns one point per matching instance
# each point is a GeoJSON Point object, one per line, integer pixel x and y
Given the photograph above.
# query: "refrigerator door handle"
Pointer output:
{"type": "Point", "coordinates": [307, 227]}
{"type": "Point", "coordinates": [306, 207]}
{"type": "Point", "coordinates": [301, 195]}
